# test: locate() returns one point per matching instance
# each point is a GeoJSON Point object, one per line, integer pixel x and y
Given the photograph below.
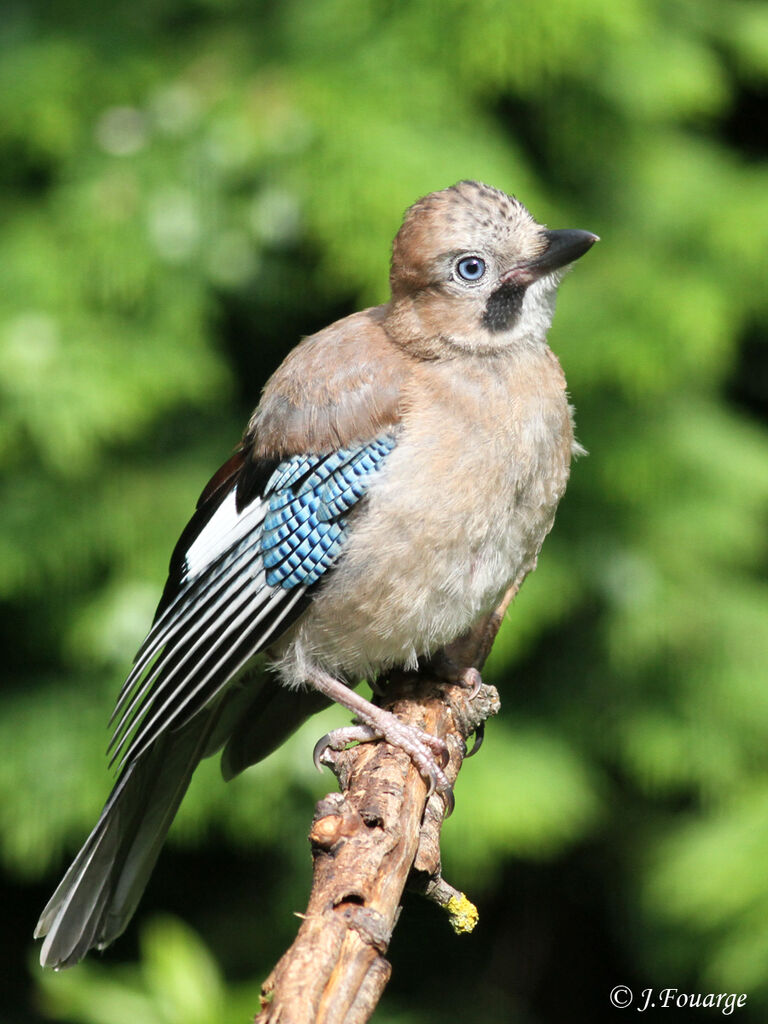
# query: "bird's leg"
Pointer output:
{"type": "Point", "coordinates": [428, 753]}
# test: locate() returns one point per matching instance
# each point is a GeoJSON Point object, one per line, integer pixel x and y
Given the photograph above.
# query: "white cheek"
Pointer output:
{"type": "Point", "coordinates": [538, 306]}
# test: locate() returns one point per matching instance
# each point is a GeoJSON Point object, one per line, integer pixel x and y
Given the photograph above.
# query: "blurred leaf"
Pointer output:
{"type": "Point", "coordinates": [176, 982]}
{"type": "Point", "coordinates": [528, 795]}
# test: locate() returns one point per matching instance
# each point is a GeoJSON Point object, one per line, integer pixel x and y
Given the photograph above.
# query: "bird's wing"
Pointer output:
{"type": "Point", "coordinates": [341, 386]}
{"type": "Point", "coordinates": [269, 524]}
{"type": "Point", "coordinates": [264, 533]}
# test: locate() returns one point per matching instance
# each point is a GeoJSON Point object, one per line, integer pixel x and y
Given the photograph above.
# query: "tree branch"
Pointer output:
{"type": "Point", "coordinates": [370, 840]}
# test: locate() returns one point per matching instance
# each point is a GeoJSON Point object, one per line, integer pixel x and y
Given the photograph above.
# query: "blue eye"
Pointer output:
{"type": "Point", "coordinates": [470, 268]}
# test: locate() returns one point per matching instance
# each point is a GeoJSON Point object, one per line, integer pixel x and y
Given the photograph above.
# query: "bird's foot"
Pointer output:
{"type": "Point", "coordinates": [450, 671]}
{"type": "Point", "coordinates": [428, 753]}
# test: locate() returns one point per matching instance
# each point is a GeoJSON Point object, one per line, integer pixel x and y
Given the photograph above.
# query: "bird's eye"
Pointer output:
{"type": "Point", "coordinates": [470, 268]}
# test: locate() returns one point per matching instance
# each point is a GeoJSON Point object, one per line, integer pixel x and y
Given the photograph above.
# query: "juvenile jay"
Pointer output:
{"type": "Point", "coordinates": [402, 468]}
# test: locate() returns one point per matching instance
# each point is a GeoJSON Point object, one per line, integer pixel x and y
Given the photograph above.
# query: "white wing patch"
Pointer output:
{"type": "Point", "coordinates": [225, 528]}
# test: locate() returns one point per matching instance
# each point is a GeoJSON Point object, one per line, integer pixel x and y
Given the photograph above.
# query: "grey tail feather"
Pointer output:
{"type": "Point", "coordinates": [99, 893]}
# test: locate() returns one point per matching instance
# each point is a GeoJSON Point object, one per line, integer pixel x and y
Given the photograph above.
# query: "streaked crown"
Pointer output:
{"type": "Point", "coordinates": [465, 217]}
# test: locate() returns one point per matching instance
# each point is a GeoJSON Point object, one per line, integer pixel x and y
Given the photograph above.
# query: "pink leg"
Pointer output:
{"type": "Point", "coordinates": [376, 723]}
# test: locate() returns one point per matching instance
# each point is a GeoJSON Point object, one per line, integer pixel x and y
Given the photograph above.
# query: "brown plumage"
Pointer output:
{"type": "Point", "coordinates": [339, 386]}
{"type": "Point", "coordinates": [402, 468]}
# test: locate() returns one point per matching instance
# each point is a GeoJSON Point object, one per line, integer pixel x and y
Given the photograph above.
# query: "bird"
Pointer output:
{"type": "Point", "coordinates": [401, 470]}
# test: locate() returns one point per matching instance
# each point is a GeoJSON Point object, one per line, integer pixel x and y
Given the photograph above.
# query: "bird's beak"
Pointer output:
{"type": "Point", "coordinates": [563, 247]}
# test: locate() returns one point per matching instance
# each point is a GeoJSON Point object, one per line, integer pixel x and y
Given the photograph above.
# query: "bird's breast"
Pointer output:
{"type": "Point", "coordinates": [461, 506]}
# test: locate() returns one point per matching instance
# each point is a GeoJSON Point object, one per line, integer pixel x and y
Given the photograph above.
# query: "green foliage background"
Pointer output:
{"type": "Point", "coordinates": [187, 187]}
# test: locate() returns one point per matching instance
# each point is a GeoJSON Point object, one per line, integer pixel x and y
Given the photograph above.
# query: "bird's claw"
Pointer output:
{"type": "Point", "coordinates": [470, 679]}
{"type": "Point", "coordinates": [450, 802]}
{"type": "Point", "coordinates": [323, 744]}
{"type": "Point", "coordinates": [446, 792]}
{"type": "Point", "coordinates": [478, 741]}
{"type": "Point", "coordinates": [338, 739]}
{"type": "Point", "coordinates": [438, 747]}
{"type": "Point", "coordinates": [319, 749]}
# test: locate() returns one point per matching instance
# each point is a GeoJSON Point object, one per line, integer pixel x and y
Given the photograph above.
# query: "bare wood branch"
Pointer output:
{"type": "Point", "coordinates": [370, 840]}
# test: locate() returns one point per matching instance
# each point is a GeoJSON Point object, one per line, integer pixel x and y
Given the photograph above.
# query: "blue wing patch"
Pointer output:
{"type": "Point", "coordinates": [308, 497]}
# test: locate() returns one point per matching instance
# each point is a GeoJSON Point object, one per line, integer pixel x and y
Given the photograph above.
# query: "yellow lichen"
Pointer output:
{"type": "Point", "coordinates": [462, 913]}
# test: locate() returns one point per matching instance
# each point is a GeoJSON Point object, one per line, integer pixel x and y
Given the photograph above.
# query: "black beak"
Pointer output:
{"type": "Point", "coordinates": [563, 247]}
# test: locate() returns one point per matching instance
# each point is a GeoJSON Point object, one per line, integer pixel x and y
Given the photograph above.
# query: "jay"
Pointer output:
{"type": "Point", "coordinates": [401, 470]}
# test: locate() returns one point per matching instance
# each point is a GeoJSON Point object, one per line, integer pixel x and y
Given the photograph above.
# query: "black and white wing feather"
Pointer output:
{"type": "Point", "coordinates": [242, 573]}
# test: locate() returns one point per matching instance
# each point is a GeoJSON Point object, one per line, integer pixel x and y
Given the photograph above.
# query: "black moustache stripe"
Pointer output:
{"type": "Point", "coordinates": [503, 307]}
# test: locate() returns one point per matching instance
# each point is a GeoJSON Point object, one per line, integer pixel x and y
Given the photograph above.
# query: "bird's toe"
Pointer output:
{"type": "Point", "coordinates": [338, 739]}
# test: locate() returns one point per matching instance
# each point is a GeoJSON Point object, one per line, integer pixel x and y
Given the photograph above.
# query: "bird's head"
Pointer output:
{"type": "Point", "coordinates": [472, 270]}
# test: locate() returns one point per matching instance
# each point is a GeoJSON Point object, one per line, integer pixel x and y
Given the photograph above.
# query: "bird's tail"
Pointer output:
{"type": "Point", "coordinates": [100, 891]}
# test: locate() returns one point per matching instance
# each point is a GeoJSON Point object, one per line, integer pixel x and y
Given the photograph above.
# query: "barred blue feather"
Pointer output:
{"type": "Point", "coordinates": [309, 495]}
